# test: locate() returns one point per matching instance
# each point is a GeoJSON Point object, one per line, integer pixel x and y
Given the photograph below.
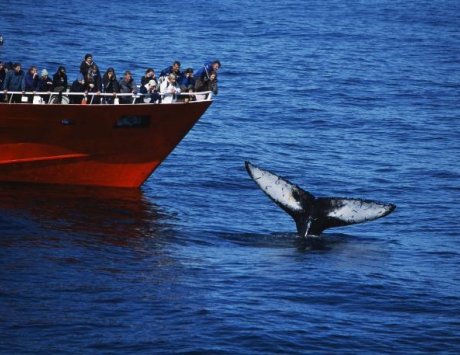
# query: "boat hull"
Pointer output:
{"type": "Point", "coordinates": [95, 145]}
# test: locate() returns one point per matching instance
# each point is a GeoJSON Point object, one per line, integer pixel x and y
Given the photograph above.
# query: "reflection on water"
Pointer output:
{"type": "Point", "coordinates": [117, 214]}
{"type": "Point", "coordinates": [76, 261]}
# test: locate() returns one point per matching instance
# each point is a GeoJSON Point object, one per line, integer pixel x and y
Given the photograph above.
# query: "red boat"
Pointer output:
{"type": "Point", "coordinates": [96, 145]}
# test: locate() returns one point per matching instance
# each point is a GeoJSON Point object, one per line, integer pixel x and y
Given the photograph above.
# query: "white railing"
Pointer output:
{"type": "Point", "coordinates": [106, 98]}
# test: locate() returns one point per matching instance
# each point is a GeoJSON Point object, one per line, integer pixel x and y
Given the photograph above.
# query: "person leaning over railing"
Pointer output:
{"type": "Point", "coordinates": [206, 69]}
{"type": "Point", "coordinates": [206, 84]}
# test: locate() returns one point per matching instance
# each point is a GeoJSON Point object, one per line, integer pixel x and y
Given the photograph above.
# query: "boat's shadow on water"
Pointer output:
{"type": "Point", "coordinates": [117, 214]}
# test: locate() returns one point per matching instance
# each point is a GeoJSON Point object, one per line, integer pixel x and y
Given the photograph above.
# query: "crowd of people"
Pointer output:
{"type": "Point", "coordinates": [170, 86]}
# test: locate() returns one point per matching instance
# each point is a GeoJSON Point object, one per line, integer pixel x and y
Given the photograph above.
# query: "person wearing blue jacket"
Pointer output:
{"type": "Point", "coordinates": [173, 69]}
{"type": "Point", "coordinates": [31, 80]}
{"type": "Point", "coordinates": [14, 81]}
{"type": "Point", "coordinates": [187, 85]}
{"type": "Point", "coordinates": [205, 72]}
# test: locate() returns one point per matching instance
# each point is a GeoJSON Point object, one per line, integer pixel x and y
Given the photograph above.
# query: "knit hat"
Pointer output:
{"type": "Point", "coordinates": [44, 72]}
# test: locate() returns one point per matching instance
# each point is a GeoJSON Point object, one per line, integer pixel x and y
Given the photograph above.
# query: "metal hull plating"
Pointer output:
{"type": "Point", "coordinates": [96, 145]}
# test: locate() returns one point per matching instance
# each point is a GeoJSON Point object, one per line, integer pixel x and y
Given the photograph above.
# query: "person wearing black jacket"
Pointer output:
{"type": "Point", "coordinates": [3, 72]}
{"type": "Point", "coordinates": [148, 87]}
{"type": "Point", "coordinates": [60, 82]}
{"type": "Point", "coordinates": [94, 84]}
{"type": "Point", "coordinates": [85, 66]}
{"type": "Point", "coordinates": [206, 84]}
{"type": "Point", "coordinates": [110, 83]}
{"type": "Point", "coordinates": [78, 86]}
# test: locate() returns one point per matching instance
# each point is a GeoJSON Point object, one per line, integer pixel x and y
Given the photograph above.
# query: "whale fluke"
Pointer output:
{"type": "Point", "coordinates": [313, 215]}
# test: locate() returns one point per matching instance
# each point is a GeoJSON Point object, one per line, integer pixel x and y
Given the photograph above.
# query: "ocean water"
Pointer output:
{"type": "Point", "coordinates": [344, 98]}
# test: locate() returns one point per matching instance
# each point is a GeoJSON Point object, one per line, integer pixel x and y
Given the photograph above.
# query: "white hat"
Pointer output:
{"type": "Point", "coordinates": [44, 72]}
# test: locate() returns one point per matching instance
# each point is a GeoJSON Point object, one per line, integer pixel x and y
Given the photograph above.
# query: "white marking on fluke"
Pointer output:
{"type": "Point", "coordinates": [313, 215]}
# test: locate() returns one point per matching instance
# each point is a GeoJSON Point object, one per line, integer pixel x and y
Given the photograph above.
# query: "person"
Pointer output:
{"type": "Point", "coordinates": [60, 82]}
{"type": "Point", "coordinates": [127, 85]}
{"type": "Point", "coordinates": [187, 84]}
{"type": "Point", "coordinates": [6, 67]}
{"type": "Point", "coordinates": [45, 84]}
{"type": "Point", "coordinates": [151, 94]}
{"type": "Point", "coordinates": [31, 82]}
{"type": "Point", "coordinates": [94, 84]}
{"type": "Point", "coordinates": [3, 72]}
{"type": "Point", "coordinates": [148, 75]}
{"type": "Point", "coordinates": [14, 81]}
{"type": "Point", "coordinates": [110, 84]}
{"type": "Point", "coordinates": [207, 84]}
{"type": "Point", "coordinates": [169, 89]}
{"type": "Point", "coordinates": [149, 85]}
{"type": "Point", "coordinates": [85, 65]}
{"type": "Point", "coordinates": [173, 69]}
{"type": "Point", "coordinates": [78, 86]}
{"type": "Point", "coordinates": [206, 70]}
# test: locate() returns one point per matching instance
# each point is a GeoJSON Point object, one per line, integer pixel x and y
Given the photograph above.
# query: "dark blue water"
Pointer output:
{"type": "Point", "coordinates": [344, 98]}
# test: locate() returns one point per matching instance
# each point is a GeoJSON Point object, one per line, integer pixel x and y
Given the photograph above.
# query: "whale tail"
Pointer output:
{"type": "Point", "coordinates": [313, 215]}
